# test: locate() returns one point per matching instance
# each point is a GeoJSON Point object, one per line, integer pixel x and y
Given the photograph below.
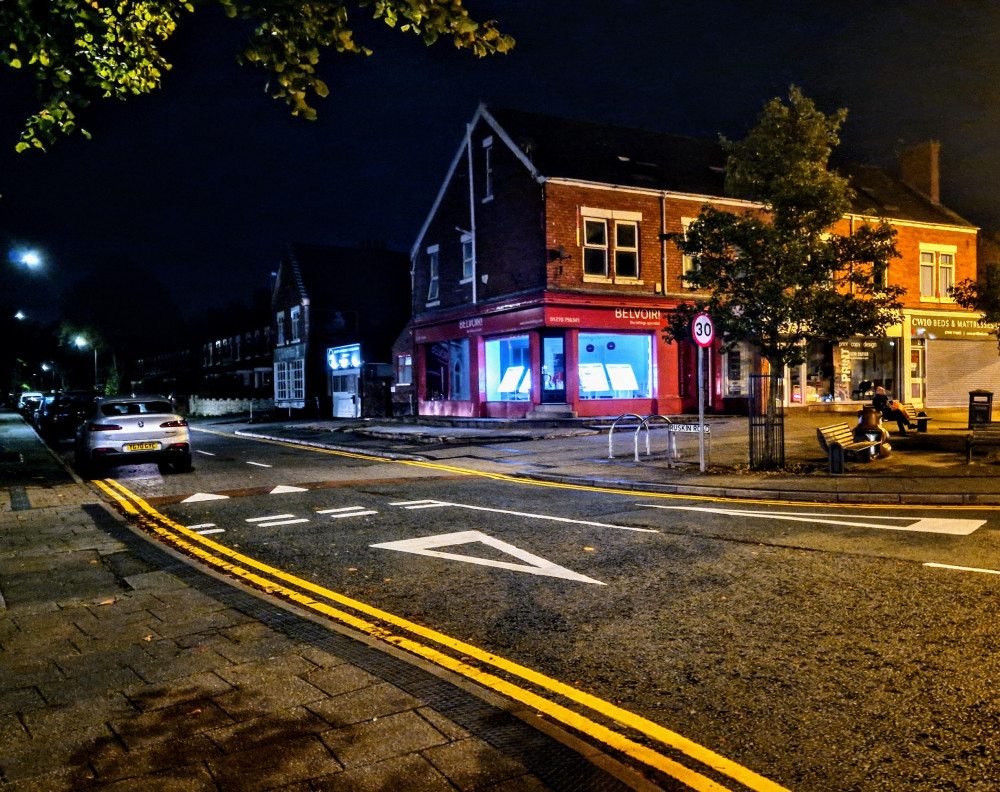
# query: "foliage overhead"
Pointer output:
{"type": "Point", "coordinates": [779, 275]}
{"type": "Point", "coordinates": [983, 294]}
{"type": "Point", "coordinates": [82, 50]}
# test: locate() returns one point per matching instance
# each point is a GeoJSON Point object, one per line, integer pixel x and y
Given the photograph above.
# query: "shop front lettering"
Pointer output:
{"type": "Point", "coordinates": [470, 324]}
{"type": "Point", "coordinates": [638, 313]}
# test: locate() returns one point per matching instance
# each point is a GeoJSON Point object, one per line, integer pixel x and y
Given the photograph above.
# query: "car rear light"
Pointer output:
{"type": "Point", "coordinates": [103, 427]}
{"type": "Point", "coordinates": [172, 424]}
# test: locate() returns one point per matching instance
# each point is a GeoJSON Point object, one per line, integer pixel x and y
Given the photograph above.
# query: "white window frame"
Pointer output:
{"type": "Point", "coordinates": [488, 169]}
{"type": "Point", "coordinates": [468, 258]}
{"type": "Point", "coordinates": [404, 369]}
{"type": "Point", "coordinates": [603, 248]}
{"type": "Point", "coordinates": [632, 250]}
{"type": "Point", "coordinates": [294, 315]}
{"type": "Point", "coordinates": [280, 321]}
{"type": "Point", "coordinates": [433, 275]}
{"type": "Point", "coordinates": [935, 261]}
{"type": "Point", "coordinates": [289, 380]}
{"type": "Point", "coordinates": [688, 263]}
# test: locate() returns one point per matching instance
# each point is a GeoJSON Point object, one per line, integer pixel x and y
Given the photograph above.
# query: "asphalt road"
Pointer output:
{"type": "Point", "coordinates": [817, 646]}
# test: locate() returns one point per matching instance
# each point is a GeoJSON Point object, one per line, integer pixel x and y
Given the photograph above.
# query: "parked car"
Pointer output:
{"type": "Point", "coordinates": [58, 419]}
{"type": "Point", "coordinates": [127, 430]}
{"type": "Point", "coordinates": [27, 402]}
{"type": "Point", "coordinates": [41, 407]}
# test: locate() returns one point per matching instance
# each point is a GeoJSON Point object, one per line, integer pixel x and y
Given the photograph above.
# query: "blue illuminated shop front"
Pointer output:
{"type": "Point", "coordinates": [524, 361]}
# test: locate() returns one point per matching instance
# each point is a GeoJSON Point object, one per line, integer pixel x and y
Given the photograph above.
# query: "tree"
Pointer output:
{"type": "Point", "coordinates": [778, 276]}
{"type": "Point", "coordinates": [81, 50]}
{"type": "Point", "coordinates": [983, 294]}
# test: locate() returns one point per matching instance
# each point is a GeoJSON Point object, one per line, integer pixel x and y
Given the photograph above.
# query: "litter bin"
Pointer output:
{"type": "Point", "coordinates": [980, 407]}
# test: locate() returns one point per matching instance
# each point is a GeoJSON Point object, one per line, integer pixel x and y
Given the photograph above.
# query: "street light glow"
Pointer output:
{"type": "Point", "coordinates": [20, 316]}
{"type": "Point", "coordinates": [31, 259]}
{"type": "Point", "coordinates": [80, 341]}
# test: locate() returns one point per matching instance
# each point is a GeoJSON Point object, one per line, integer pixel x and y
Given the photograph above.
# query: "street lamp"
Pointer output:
{"type": "Point", "coordinates": [83, 343]}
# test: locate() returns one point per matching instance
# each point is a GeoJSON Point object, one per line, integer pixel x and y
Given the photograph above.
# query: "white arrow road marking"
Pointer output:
{"type": "Point", "coordinates": [204, 496]}
{"type": "Point", "coordinates": [431, 504]}
{"type": "Point", "coordinates": [943, 525]}
{"type": "Point", "coordinates": [347, 511]}
{"type": "Point", "coordinates": [283, 488]}
{"type": "Point", "coordinates": [533, 564]}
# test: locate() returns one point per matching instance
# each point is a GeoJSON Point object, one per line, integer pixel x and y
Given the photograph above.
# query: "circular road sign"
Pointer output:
{"type": "Point", "coordinates": [702, 330]}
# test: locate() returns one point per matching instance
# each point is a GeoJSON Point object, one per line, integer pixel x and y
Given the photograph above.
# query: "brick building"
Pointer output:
{"type": "Point", "coordinates": [541, 282]}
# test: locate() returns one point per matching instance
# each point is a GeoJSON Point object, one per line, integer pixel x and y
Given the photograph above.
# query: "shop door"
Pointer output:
{"type": "Point", "coordinates": [346, 399]}
{"type": "Point", "coordinates": [918, 371]}
{"type": "Point", "coordinates": [553, 369]}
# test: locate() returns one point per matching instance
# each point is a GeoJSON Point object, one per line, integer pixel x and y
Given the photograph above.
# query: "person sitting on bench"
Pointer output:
{"type": "Point", "coordinates": [891, 410]}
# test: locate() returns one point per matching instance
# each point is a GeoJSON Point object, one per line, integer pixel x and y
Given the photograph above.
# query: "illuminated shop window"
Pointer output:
{"type": "Point", "coordinates": [446, 366]}
{"type": "Point", "coordinates": [508, 369]}
{"type": "Point", "coordinates": [615, 366]}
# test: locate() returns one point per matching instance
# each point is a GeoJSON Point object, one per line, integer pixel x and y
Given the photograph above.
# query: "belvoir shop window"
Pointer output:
{"type": "Point", "coordinates": [508, 369]}
{"type": "Point", "coordinates": [615, 366]}
{"type": "Point", "coordinates": [446, 369]}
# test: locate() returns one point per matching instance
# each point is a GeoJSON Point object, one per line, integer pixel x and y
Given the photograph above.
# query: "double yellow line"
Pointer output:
{"type": "Point", "coordinates": [276, 581]}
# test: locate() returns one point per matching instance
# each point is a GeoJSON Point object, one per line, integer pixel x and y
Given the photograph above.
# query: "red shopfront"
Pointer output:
{"type": "Point", "coordinates": [598, 360]}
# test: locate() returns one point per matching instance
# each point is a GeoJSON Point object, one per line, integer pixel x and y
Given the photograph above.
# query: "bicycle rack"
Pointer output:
{"type": "Point", "coordinates": [671, 440]}
{"type": "Point", "coordinates": [611, 431]}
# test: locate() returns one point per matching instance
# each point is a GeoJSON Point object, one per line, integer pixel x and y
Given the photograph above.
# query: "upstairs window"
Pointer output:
{"type": "Point", "coordinates": [295, 315]}
{"type": "Point", "coordinates": [488, 169]}
{"type": "Point", "coordinates": [610, 242]}
{"type": "Point", "coordinates": [626, 250]}
{"type": "Point", "coordinates": [937, 272]}
{"type": "Point", "coordinates": [404, 369]}
{"type": "Point", "coordinates": [468, 262]}
{"type": "Point", "coordinates": [688, 263]}
{"type": "Point", "coordinates": [280, 321]}
{"type": "Point", "coordinates": [595, 248]}
{"type": "Point", "coordinates": [433, 273]}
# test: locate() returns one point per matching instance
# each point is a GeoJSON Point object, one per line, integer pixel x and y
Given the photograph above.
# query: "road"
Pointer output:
{"type": "Point", "coordinates": [816, 648]}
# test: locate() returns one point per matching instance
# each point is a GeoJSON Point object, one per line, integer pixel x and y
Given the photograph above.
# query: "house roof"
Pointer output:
{"type": "Point", "coordinates": [341, 277]}
{"type": "Point", "coordinates": [638, 158]}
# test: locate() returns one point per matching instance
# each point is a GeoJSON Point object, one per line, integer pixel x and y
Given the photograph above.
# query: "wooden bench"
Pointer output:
{"type": "Point", "coordinates": [919, 418]}
{"type": "Point", "coordinates": [984, 435]}
{"type": "Point", "coordinates": [843, 436]}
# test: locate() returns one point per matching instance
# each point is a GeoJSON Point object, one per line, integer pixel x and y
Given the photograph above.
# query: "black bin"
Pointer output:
{"type": "Point", "coordinates": [980, 407]}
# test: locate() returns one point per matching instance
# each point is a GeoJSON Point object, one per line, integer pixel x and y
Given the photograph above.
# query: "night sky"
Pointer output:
{"type": "Point", "coordinates": [206, 181]}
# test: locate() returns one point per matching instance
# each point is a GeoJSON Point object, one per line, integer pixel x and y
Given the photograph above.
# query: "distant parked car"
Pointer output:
{"type": "Point", "coordinates": [59, 418]}
{"type": "Point", "coordinates": [41, 407]}
{"type": "Point", "coordinates": [28, 402]}
{"type": "Point", "coordinates": [127, 430]}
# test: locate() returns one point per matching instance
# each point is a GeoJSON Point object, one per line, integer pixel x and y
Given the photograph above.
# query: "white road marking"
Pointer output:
{"type": "Point", "coordinates": [204, 496]}
{"type": "Point", "coordinates": [203, 453]}
{"type": "Point", "coordinates": [200, 525]}
{"type": "Point", "coordinates": [272, 517]}
{"type": "Point", "coordinates": [283, 488]}
{"type": "Point", "coordinates": [962, 568]}
{"type": "Point", "coordinates": [942, 525]}
{"type": "Point", "coordinates": [534, 565]}
{"type": "Point", "coordinates": [283, 522]}
{"type": "Point", "coordinates": [347, 511]}
{"type": "Point", "coordinates": [430, 504]}
{"type": "Point", "coordinates": [211, 531]}
{"type": "Point", "coordinates": [258, 464]}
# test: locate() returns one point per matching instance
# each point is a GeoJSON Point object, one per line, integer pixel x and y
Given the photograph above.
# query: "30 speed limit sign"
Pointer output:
{"type": "Point", "coordinates": [702, 330]}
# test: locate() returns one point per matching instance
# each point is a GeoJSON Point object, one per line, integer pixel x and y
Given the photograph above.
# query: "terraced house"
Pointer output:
{"type": "Point", "coordinates": [541, 280]}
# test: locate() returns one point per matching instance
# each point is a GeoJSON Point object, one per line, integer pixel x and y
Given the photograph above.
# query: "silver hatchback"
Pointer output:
{"type": "Point", "coordinates": [127, 430]}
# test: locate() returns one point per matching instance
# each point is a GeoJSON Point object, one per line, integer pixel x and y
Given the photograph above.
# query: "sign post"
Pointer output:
{"type": "Point", "coordinates": [703, 333]}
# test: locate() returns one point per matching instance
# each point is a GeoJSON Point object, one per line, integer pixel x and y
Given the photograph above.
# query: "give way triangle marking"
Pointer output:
{"type": "Point", "coordinates": [283, 488]}
{"type": "Point", "coordinates": [204, 496]}
{"type": "Point", "coordinates": [534, 565]}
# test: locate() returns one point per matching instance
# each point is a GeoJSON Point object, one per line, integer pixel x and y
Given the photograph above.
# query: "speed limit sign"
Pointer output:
{"type": "Point", "coordinates": [702, 330]}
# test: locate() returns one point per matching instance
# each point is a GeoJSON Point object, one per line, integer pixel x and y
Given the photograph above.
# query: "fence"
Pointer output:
{"type": "Point", "coordinates": [767, 422]}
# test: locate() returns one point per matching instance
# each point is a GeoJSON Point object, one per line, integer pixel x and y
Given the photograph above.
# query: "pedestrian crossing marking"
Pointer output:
{"type": "Point", "coordinates": [535, 565]}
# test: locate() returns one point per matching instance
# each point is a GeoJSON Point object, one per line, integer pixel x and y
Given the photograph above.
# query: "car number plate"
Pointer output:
{"type": "Point", "coordinates": [142, 446]}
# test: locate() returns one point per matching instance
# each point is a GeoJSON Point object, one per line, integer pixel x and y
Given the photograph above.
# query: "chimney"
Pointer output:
{"type": "Point", "coordinates": [918, 168]}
